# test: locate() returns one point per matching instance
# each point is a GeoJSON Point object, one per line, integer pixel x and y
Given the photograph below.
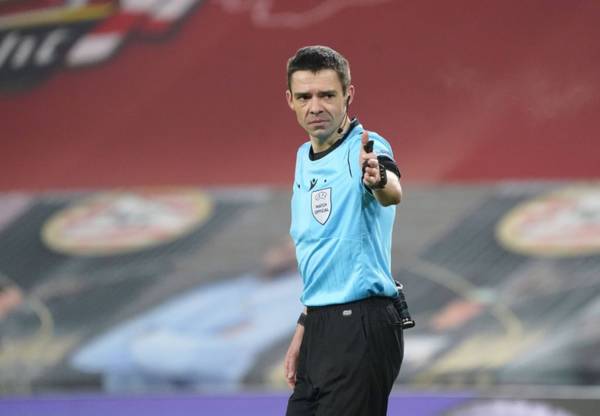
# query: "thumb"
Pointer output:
{"type": "Point", "coordinates": [364, 138]}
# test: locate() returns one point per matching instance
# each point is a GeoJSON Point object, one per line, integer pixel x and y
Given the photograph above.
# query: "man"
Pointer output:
{"type": "Point", "coordinates": [348, 345]}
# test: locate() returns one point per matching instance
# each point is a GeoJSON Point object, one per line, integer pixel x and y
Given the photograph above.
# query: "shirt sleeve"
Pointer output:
{"type": "Point", "coordinates": [389, 164]}
{"type": "Point", "coordinates": [385, 155]}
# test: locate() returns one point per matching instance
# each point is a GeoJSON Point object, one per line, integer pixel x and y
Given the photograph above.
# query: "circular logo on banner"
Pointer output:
{"type": "Point", "coordinates": [562, 223]}
{"type": "Point", "coordinates": [118, 222]}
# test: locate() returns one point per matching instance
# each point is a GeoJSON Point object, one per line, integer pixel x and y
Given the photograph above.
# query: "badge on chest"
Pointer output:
{"type": "Point", "coordinates": [321, 205]}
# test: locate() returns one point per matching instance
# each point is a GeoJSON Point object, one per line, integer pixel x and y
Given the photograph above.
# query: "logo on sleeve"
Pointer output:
{"type": "Point", "coordinates": [321, 205]}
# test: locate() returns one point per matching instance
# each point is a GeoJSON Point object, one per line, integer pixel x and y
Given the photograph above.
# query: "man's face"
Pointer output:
{"type": "Point", "coordinates": [318, 101]}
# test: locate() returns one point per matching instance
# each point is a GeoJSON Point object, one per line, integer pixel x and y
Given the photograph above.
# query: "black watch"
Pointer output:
{"type": "Point", "coordinates": [383, 175]}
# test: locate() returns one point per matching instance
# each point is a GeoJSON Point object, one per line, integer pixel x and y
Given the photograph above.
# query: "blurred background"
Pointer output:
{"type": "Point", "coordinates": [146, 160]}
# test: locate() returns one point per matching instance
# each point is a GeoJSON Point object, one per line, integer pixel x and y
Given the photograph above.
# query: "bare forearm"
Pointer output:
{"type": "Point", "coordinates": [391, 194]}
{"type": "Point", "coordinates": [291, 357]}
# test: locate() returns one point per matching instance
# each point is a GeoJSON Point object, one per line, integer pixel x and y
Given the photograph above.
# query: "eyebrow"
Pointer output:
{"type": "Point", "coordinates": [320, 93]}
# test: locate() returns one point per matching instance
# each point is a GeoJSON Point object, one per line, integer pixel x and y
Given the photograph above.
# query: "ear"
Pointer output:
{"type": "Point", "coordinates": [351, 91]}
{"type": "Point", "coordinates": [289, 99]}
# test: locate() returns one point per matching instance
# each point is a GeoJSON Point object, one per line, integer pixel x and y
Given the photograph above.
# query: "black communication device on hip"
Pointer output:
{"type": "Point", "coordinates": [400, 303]}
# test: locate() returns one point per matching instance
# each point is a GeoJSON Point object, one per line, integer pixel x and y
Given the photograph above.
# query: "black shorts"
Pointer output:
{"type": "Point", "coordinates": [349, 359]}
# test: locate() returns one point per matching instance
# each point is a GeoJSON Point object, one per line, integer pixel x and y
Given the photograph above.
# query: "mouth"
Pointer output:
{"type": "Point", "coordinates": [317, 121]}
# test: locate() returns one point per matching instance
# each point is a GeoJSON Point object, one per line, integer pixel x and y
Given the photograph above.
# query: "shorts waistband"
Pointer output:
{"type": "Point", "coordinates": [367, 302]}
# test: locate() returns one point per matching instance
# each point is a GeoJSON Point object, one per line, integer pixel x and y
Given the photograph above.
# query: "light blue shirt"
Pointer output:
{"type": "Point", "coordinates": [343, 236]}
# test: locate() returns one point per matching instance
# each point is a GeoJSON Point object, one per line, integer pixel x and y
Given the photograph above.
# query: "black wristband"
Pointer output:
{"type": "Point", "coordinates": [383, 178]}
{"type": "Point", "coordinates": [301, 319]}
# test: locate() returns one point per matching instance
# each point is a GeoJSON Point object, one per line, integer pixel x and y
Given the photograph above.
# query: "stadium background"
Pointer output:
{"type": "Point", "coordinates": [147, 155]}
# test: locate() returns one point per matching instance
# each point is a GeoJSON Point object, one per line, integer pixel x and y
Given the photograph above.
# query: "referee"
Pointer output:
{"type": "Point", "coordinates": [348, 345]}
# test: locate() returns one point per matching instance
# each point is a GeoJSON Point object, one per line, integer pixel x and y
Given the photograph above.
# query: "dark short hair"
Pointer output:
{"type": "Point", "coordinates": [317, 58]}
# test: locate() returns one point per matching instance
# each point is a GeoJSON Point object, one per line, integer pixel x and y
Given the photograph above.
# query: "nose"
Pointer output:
{"type": "Point", "coordinates": [315, 106]}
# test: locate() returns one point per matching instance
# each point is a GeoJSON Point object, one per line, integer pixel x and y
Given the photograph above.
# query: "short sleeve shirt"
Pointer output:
{"type": "Point", "coordinates": [343, 236]}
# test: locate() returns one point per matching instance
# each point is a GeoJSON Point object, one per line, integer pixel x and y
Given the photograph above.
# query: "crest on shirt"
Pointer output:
{"type": "Point", "coordinates": [321, 205]}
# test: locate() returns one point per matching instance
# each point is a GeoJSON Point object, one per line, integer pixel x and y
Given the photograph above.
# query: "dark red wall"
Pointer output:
{"type": "Point", "coordinates": [465, 91]}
